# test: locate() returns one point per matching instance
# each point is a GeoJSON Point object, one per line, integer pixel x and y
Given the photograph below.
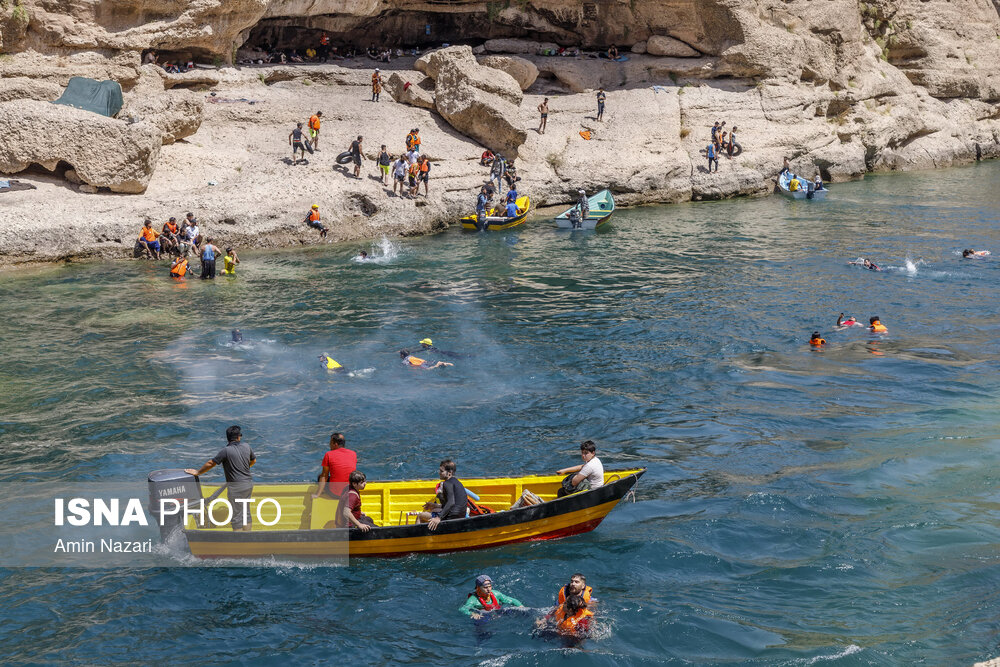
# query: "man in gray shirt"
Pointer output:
{"type": "Point", "coordinates": [236, 459]}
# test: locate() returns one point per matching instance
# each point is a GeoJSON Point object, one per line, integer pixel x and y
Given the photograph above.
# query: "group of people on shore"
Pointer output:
{"type": "Point", "coordinates": [180, 241]}
{"type": "Point", "coordinates": [723, 143]}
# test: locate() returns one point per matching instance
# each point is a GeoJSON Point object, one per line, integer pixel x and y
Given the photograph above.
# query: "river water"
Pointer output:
{"type": "Point", "coordinates": [801, 507]}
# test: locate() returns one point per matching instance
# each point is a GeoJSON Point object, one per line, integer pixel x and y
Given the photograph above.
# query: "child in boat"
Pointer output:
{"type": "Point", "coordinates": [349, 510]}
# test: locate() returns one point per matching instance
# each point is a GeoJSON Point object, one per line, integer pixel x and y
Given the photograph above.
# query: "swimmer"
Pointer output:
{"type": "Point", "coordinates": [331, 364]}
{"type": "Point", "coordinates": [969, 252]}
{"type": "Point", "coordinates": [817, 340]}
{"type": "Point", "coordinates": [876, 326]}
{"type": "Point", "coordinates": [867, 263]}
{"type": "Point", "coordinates": [237, 336]}
{"type": "Point", "coordinates": [427, 345]}
{"type": "Point", "coordinates": [848, 321]}
{"type": "Point", "coordinates": [363, 256]}
{"type": "Point", "coordinates": [416, 362]}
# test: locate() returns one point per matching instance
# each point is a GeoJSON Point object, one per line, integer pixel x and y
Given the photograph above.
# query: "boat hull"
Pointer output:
{"type": "Point", "coordinates": [554, 519]}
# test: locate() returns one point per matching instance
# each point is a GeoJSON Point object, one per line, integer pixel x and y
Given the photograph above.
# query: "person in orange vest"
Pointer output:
{"type": "Point", "coordinates": [314, 129]}
{"type": "Point", "coordinates": [414, 173]}
{"type": "Point", "coordinates": [573, 617]}
{"type": "Point", "coordinates": [416, 362]}
{"type": "Point", "coordinates": [424, 174]}
{"type": "Point", "coordinates": [312, 219]}
{"type": "Point", "coordinates": [876, 326]}
{"type": "Point", "coordinates": [168, 236]}
{"type": "Point", "coordinates": [376, 84]}
{"type": "Point", "coordinates": [577, 586]}
{"type": "Point", "coordinates": [409, 140]}
{"type": "Point", "coordinates": [817, 340]}
{"type": "Point", "coordinates": [179, 268]}
{"type": "Point", "coordinates": [324, 46]}
{"type": "Point", "coordinates": [416, 139]}
{"type": "Point", "coordinates": [148, 239]}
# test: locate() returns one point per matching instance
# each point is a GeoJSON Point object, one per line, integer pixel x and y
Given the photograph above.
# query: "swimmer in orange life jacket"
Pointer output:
{"type": "Point", "coordinates": [573, 617]}
{"type": "Point", "coordinates": [875, 326]}
{"type": "Point", "coordinates": [848, 321]}
{"type": "Point", "coordinates": [577, 586]}
{"type": "Point", "coordinates": [417, 362]}
{"type": "Point", "coordinates": [817, 340]}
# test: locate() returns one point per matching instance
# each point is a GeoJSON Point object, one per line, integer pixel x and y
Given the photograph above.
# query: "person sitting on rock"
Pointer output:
{"type": "Point", "coordinates": [148, 240]}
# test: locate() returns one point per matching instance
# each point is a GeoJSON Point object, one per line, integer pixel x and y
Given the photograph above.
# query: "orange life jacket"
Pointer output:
{"type": "Point", "coordinates": [409, 140]}
{"type": "Point", "coordinates": [314, 216]}
{"type": "Point", "coordinates": [568, 624]}
{"type": "Point", "coordinates": [149, 234]}
{"type": "Point", "coordinates": [425, 166]}
{"type": "Point", "coordinates": [416, 139]}
{"type": "Point", "coordinates": [414, 168]}
{"type": "Point", "coordinates": [587, 590]}
{"type": "Point", "coordinates": [171, 226]}
{"type": "Point", "coordinates": [878, 327]}
{"type": "Point", "coordinates": [324, 40]}
{"type": "Point", "coordinates": [414, 361]}
{"type": "Point", "coordinates": [816, 342]}
{"type": "Point", "coordinates": [180, 269]}
{"type": "Point", "coordinates": [314, 122]}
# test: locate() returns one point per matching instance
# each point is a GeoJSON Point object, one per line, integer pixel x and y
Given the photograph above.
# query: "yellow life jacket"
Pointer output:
{"type": "Point", "coordinates": [331, 364]}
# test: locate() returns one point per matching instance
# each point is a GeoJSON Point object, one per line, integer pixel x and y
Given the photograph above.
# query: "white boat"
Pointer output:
{"type": "Point", "coordinates": [805, 190]}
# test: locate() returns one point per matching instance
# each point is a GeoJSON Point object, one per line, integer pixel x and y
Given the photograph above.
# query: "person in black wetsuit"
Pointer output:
{"type": "Point", "coordinates": [427, 345]}
{"type": "Point", "coordinates": [454, 500]}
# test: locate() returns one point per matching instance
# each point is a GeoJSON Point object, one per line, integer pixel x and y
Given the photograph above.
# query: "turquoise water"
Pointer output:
{"type": "Point", "coordinates": [801, 507]}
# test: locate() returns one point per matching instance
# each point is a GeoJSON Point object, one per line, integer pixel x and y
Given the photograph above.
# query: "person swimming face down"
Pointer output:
{"type": "Point", "coordinates": [237, 336]}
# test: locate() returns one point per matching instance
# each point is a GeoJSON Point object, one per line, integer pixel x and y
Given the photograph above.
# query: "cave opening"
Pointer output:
{"type": "Point", "coordinates": [393, 29]}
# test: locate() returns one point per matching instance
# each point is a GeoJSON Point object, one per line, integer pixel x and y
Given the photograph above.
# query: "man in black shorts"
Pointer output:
{"type": "Point", "coordinates": [295, 139]}
{"type": "Point", "coordinates": [236, 459]}
{"type": "Point", "coordinates": [356, 156]}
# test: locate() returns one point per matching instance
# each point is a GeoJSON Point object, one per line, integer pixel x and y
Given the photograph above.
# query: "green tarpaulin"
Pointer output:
{"type": "Point", "coordinates": [103, 97]}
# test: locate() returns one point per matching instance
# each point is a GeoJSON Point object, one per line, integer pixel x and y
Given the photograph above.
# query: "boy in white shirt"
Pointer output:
{"type": "Point", "coordinates": [591, 471]}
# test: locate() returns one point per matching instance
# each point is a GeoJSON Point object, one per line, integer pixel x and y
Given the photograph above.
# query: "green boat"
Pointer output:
{"type": "Point", "coordinates": [602, 207]}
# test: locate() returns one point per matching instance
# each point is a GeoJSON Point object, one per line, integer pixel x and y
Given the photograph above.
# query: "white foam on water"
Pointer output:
{"type": "Point", "coordinates": [362, 373]}
{"type": "Point", "coordinates": [850, 650]}
{"type": "Point", "coordinates": [382, 251]}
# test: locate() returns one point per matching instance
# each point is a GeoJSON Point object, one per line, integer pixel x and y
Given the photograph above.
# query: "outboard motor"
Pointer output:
{"type": "Point", "coordinates": [171, 484]}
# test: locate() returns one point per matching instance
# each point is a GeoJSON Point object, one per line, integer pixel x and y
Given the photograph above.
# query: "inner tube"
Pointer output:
{"type": "Point", "coordinates": [345, 157]}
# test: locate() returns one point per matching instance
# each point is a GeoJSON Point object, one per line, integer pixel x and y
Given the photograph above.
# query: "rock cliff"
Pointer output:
{"type": "Point", "coordinates": [840, 87]}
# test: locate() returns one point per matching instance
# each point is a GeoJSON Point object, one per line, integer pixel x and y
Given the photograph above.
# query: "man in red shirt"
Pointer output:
{"type": "Point", "coordinates": [338, 464]}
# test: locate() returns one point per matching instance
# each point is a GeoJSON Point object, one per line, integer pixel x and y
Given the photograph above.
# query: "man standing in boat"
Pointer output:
{"type": "Point", "coordinates": [583, 203]}
{"type": "Point", "coordinates": [236, 459]}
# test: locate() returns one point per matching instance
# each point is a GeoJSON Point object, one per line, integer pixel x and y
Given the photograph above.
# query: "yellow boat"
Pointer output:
{"type": "Point", "coordinates": [496, 221]}
{"type": "Point", "coordinates": [306, 525]}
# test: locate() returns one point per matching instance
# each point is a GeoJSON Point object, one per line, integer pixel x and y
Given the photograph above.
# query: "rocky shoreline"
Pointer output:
{"type": "Point", "coordinates": [215, 142]}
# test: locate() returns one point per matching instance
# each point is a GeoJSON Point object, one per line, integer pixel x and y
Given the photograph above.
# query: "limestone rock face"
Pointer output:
{"type": "Point", "coordinates": [523, 71]}
{"type": "Point", "coordinates": [491, 120]}
{"type": "Point", "coordinates": [177, 113]}
{"type": "Point", "coordinates": [518, 46]}
{"type": "Point", "coordinates": [639, 47]}
{"type": "Point", "coordinates": [662, 45]}
{"type": "Point", "coordinates": [415, 94]}
{"type": "Point", "coordinates": [23, 88]}
{"type": "Point", "coordinates": [461, 59]}
{"type": "Point", "coordinates": [105, 152]}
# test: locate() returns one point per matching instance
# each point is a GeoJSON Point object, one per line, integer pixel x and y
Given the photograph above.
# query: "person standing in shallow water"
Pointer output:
{"type": "Point", "coordinates": [601, 98]}
{"type": "Point", "coordinates": [208, 254]}
{"type": "Point", "coordinates": [543, 110]}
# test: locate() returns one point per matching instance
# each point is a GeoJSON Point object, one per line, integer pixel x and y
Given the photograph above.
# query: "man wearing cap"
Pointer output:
{"type": "Point", "coordinates": [427, 345]}
{"type": "Point", "coordinates": [583, 203]}
{"type": "Point", "coordinates": [312, 219]}
{"type": "Point", "coordinates": [376, 84]}
{"type": "Point", "coordinates": [484, 599]}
